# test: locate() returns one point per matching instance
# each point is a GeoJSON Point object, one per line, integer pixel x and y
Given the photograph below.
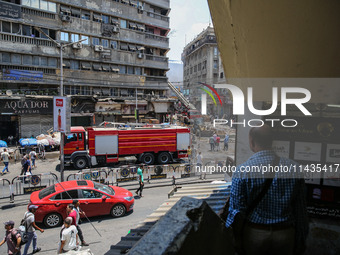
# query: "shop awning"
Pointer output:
{"type": "Point", "coordinates": [115, 69]}
{"type": "Point", "coordinates": [132, 47]}
{"type": "Point", "coordinates": [106, 68]}
{"type": "Point", "coordinates": [65, 9]}
{"type": "Point", "coordinates": [97, 67]}
{"type": "Point", "coordinates": [85, 65]}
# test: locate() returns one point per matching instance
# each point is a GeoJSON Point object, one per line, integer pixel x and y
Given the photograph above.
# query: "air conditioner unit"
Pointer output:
{"type": "Point", "coordinates": [115, 29]}
{"type": "Point", "coordinates": [140, 9]}
{"type": "Point", "coordinates": [140, 55]}
{"type": "Point", "coordinates": [66, 18]}
{"type": "Point", "coordinates": [98, 48]}
{"type": "Point", "coordinates": [77, 45]}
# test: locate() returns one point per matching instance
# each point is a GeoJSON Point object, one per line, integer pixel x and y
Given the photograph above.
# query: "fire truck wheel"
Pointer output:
{"type": "Point", "coordinates": [80, 163]}
{"type": "Point", "coordinates": [148, 158]}
{"type": "Point", "coordinates": [163, 158]}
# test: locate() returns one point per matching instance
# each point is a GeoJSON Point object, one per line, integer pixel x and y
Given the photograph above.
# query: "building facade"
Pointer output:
{"type": "Point", "coordinates": [202, 64]}
{"type": "Point", "coordinates": [122, 56]}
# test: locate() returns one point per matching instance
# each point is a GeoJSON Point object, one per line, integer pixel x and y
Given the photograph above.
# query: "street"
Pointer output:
{"type": "Point", "coordinates": [110, 229]}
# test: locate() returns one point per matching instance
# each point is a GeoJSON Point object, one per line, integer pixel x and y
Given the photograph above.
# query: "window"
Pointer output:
{"type": "Point", "coordinates": [45, 30]}
{"type": "Point", "coordinates": [124, 46]}
{"type": "Point", "coordinates": [91, 194]}
{"type": "Point", "coordinates": [138, 71]}
{"type": "Point", "coordinates": [85, 15]}
{"type": "Point", "coordinates": [43, 61]}
{"type": "Point", "coordinates": [69, 195]}
{"type": "Point", "coordinates": [16, 59]}
{"type": "Point", "coordinates": [75, 13]}
{"type": "Point", "coordinates": [74, 38]}
{"type": "Point", "coordinates": [113, 44]}
{"type": "Point", "coordinates": [215, 64]}
{"type": "Point", "coordinates": [130, 70]}
{"type": "Point", "coordinates": [26, 30]}
{"type": "Point", "coordinates": [103, 188]}
{"type": "Point", "coordinates": [221, 75]}
{"type": "Point", "coordinates": [47, 191]}
{"type": "Point", "coordinates": [15, 28]}
{"type": "Point", "coordinates": [122, 69]}
{"type": "Point", "coordinates": [36, 60]}
{"type": "Point", "coordinates": [86, 41]}
{"type": "Point", "coordinates": [105, 43]}
{"type": "Point", "coordinates": [35, 4]}
{"type": "Point", "coordinates": [105, 19]}
{"type": "Point", "coordinates": [123, 23]}
{"type": "Point", "coordinates": [6, 57]}
{"type": "Point", "coordinates": [44, 5]}
{"type": "Point", "coordinates": [6, 27]}
{"type": "Point", "coordinates": [52, 7]}
{"type": "Point", "coordinates": [97, 17]}
{"type": "Point", "coordinates": [27, 60]}
{"type": "Point", "coordinates": [95, 41]}
{"type": "Point", "coordinates": [64, 36]}
{"type": "Point", "coordinates": [74, 64]}
{"type": "Point", "coordinates": [85, 66]}
{"type": "Point", "coordinates": [52, 62]}
{"type": "Point", "coordinates": [215, 51]}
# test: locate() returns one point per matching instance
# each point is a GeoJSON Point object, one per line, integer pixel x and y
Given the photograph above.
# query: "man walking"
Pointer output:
{"type": "Point", "coordinates": [68, 237]}
{"type": "Point", "coordinates": [141, 181]}
{"type": "Point", "coordinates": [212, 143]}
{"type": "Point", "coordinates": [30, 228]}
{"type": "Point", "coordinates": [278, 218]}
{"type": "Point", "coordinates": [226, 141]}
{"type": "Point", "coordinates": [5, 158]}
{"type": "Point", "coordinates": [79, 212]}
{"type": "Point", "coordinates": [33, 156]}
{"type": "Point", "coordinates": [12, 238]}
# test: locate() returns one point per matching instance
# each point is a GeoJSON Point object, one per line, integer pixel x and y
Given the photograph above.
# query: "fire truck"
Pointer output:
{"type": "Point", "coordinates": [99, 146]}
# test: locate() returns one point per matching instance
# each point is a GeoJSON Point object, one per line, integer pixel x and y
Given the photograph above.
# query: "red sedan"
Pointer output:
{"type": "Point", "coordinates": [95, 199]}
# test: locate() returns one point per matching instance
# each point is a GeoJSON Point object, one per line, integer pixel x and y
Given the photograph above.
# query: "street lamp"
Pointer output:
{"type": "Point", "coordinates": [62, 136]}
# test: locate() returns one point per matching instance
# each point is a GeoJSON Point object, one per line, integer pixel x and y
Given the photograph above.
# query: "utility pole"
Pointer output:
{"type": "Point", "coordinates": [61, 93]}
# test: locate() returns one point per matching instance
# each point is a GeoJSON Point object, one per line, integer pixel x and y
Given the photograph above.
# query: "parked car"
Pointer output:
{"type": "Point", "coordinates": [95, 199]}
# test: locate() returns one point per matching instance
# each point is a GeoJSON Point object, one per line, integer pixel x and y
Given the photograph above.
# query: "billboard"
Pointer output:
{"type": "Point", "coordinates": [61, 114]}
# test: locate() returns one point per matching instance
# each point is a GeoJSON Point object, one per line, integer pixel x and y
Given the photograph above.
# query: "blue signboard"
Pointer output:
{"type": "Point", "coordinates": [22, 75]}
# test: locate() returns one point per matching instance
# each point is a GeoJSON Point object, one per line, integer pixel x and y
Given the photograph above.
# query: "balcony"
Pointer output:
{"type": "Point", "coordinates": [156, 40]}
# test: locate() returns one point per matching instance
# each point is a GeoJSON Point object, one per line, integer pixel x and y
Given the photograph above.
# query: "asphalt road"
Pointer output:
{"type": "Point", "coordinates": [111, 229]}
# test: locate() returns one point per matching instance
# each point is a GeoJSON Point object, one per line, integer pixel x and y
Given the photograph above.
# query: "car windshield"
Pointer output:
{"type": "Point", "coordinates": [47, 191]}
{"type": "Point", "coordinates": [104, 188]}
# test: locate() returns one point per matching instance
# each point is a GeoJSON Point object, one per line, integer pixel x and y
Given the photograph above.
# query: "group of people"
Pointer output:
{"type": "Point", "coordinates": [69, 233]}
{"type": "Point", "coordinates": [215, 140]}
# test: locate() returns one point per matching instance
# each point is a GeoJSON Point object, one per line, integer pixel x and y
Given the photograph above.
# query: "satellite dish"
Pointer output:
{"type": "Point", "coordinates": [9, 92]}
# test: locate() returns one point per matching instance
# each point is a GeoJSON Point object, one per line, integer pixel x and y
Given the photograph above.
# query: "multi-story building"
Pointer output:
{"type": "Point", "coordinates": [123, 53]}
{"type": "Point", "coordinates": [202, 64]}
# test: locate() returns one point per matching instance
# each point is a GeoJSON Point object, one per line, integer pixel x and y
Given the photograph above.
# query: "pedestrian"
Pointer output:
{"type": "Point", "coordinates": [33, 156]}
{"type": "Point", "coordinates": [189, 151]}
{"type": "Point", "coordinates": [27, 168]}
{"type": "Point", "coordinates": [140, 181]}
{"type": "Point", "coordinates": [68, 237]}
{"type": "Point", "coordinates": [268, 213]}
{"type": "Point", "coordinates": [79, 212]}
{"type": "Point", "coordinates": [212, 143]}
{"type": "Point", "coordinates": [226, 141]}
{"type": "Point", "coordinates": [12, 238]}
{"type": "Point", "coordinates": [218, 139]}
{"type": "Point", "coordinates": [5, 157]}
{"type": "Point", "coordinates": [29, 220]}
{"type": "Point", "coordinates": [71, 213]}
{"type": "Point", "coordinates": [199, 164]}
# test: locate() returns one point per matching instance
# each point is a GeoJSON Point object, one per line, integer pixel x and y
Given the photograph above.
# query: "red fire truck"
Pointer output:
{"type": "Point", "coordinates": [99, 146]}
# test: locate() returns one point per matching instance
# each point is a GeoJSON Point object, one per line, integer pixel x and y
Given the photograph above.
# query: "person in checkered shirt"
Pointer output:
{"type": "Point", "coordinates": [279, 223]}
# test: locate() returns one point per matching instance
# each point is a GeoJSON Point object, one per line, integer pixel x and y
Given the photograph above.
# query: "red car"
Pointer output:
{"type": "Point", "coordinates": [95, 199]}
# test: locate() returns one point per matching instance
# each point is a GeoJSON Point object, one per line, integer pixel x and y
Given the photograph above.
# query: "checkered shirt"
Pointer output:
{"type": "Point", "coordinates": [284, 201]}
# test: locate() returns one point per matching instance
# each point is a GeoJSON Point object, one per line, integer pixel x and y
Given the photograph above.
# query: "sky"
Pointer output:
{"type": "Point", "coordinates": [187, 19]}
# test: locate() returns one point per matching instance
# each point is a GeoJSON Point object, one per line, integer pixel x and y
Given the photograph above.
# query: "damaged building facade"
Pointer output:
{"type": "Point", "coordinates": [122, 56]}
{"type": "Point", "coordinates": [202, 64]}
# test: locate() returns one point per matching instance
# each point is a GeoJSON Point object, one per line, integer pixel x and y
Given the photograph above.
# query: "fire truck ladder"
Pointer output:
{"type": "Point", "coordinates": [181, 97]}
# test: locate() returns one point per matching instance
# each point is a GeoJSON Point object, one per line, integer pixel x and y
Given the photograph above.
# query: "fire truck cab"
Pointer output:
{"type": "Point", "coordinates": [99, 146]}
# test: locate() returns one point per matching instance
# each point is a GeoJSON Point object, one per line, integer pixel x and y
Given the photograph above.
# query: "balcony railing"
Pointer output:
{"type": "Point", "coordinates": [26, 40]}
{"type": "Point", "coordinates": [38, 13]}
{"type": "Point", "coordinates": [156, 58]}
{"type": "Point", "coordinates": [157, 16]}
{"type": "Point", "coordinates": [156, 37]}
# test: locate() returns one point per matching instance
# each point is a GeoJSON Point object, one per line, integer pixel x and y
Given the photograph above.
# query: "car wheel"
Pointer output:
{"type": "Point", "coordinates": [53, 220]}
{"type": "Point", "coordinates": [80, 163]}
{"type": "Point", "coordinates": [164, 158]}
{"type": "Point", "coordinates": [118, 210]}
{"type": "Point", "coordinates": [148, 158]}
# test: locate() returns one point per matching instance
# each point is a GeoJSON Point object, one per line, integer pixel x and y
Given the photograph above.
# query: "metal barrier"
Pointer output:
{"type": "Point", "coordinates": [98, 175]}
{"type": "Point", "coordinates": [26, 184]}
{"type": "Point", "coordinates": [6, 189]}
